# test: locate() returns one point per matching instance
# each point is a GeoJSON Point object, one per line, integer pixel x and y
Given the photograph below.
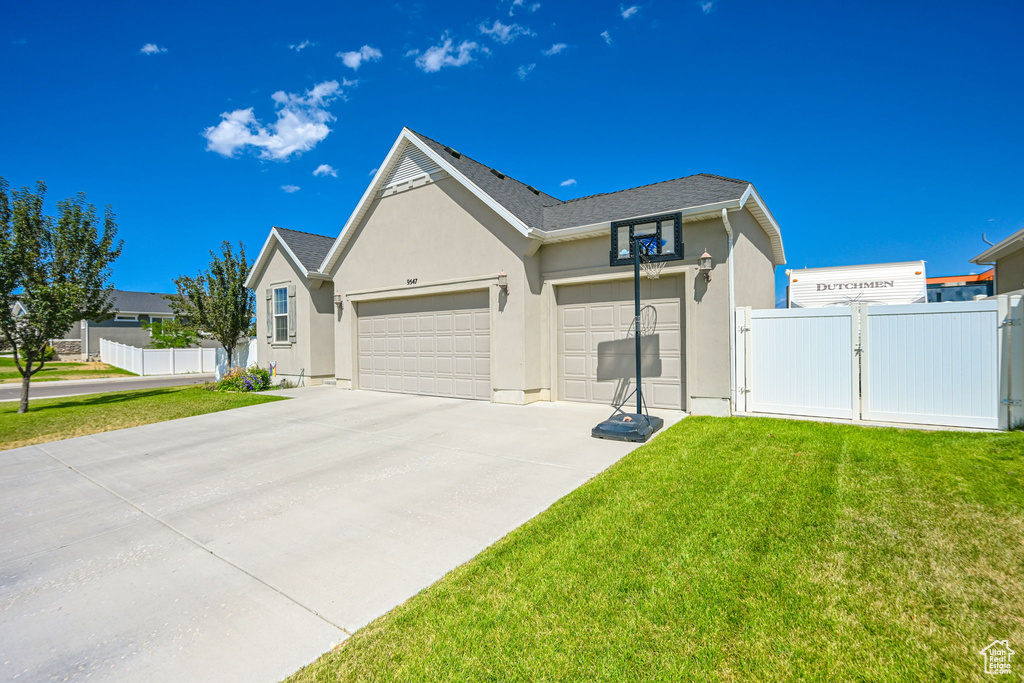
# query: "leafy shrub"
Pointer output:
{"type": "Point", "coordinates": [49, 353]}
{"type": "Point", "coordinates": [245, 379]}
{"type": "Point", "coordinates": [170, 334]}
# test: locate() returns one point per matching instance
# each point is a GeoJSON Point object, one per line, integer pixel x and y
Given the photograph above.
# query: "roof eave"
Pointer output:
{"type": "Point", "coordinates": [764, 217]}
{"type": "Point", "coordinates": [584, 231]}
{"type": "Point", "coordinates": [999, 249]}
{"type": "Point", "coordinates": [261, 261]}
{"type": "Point", "coordinates": [408, 137]}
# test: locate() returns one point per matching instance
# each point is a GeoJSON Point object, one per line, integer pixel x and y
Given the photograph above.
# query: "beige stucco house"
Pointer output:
{"type": "Point", "coordinates": [452, 279]}
{"type": "Point", "coordinates": [1008, 259]}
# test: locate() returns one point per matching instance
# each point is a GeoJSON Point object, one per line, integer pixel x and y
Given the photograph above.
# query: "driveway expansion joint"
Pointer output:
{"type": "Point", "coordinates": [192, 540]}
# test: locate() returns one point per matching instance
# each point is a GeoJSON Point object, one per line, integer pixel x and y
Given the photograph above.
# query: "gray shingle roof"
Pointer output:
{"type": "Point", "coordinates": [669, 195]}
{"type": "Point", "coordinates": [541, 210]}
{"type": "Point", "coordinates": [309, 248]}
{"type": "Point", "coordinates": [139, 302]}
{"type": "Point", "coordinates": [516, 196]}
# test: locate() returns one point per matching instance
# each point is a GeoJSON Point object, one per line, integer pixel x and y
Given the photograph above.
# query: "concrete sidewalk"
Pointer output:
{"type": "Point", "coordinates": [239, 546]}
{"type": "Point", "coordinates": [77, 387]}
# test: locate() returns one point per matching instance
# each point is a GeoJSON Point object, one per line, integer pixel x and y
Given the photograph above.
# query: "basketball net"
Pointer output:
{"type": "Point", "coordinates": [652, 269]}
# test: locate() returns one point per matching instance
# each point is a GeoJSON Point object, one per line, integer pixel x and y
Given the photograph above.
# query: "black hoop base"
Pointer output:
{"type": "Point", "coordinates": [638, 428]}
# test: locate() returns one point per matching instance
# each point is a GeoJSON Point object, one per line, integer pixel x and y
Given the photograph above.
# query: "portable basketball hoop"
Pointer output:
{"type": "Point", "coordinates": [647, 244]}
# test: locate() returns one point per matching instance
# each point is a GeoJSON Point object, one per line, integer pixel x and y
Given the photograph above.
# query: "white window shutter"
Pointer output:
{"type": "Point", "coordinates": [270, 315]}
{"type": "Point", "coordinates": [291, 313]}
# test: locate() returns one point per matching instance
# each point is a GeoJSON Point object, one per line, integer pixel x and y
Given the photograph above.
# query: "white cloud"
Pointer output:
{"type": "Point", "coordinates": [326, 169]}
{"type": "Point", "coordinates": [568, 183]}
{"type": "Point", "coordinates": [524, 70]}
{"type": "Point", "coordinates": [554, 49]}
{"type": "Point", "coordinates": [299, 47]}
{"type": "Point", "coordinates": [707, 6]}
{"type": "Point", "coordinates": [301, 124]}
{"type": "Point", "coordinates": [290, 188]}
{"type": "Point", "coordinates": [374, 170]}
{"type": "Point", "coordinates": [505, 33]}
{"type": "Point", "coordinates": [152, 49]}
{"type": "Point", "coordinates": [364, 54]}
{"type": "Point", "coordinates": [522, 3]}
{"type": "Point", "coordinates": [607, 37]}
{"type": "Point", "coordinates": [436, 57]}
{"type": "Point", "coordinates": [627, 12]}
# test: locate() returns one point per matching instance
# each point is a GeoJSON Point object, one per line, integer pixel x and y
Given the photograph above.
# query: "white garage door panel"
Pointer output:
{"type": "Point", "coordinates": [595, 324]}
{"type": "Point", "coordinates": [435, 345]}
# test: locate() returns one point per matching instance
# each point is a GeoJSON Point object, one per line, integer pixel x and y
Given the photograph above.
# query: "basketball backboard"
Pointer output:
{"type": "Point", "coordinates": [659, 237]}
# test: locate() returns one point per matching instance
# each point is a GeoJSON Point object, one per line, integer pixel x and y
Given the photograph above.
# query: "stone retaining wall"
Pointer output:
{"type": "Point", "coordinates": [68, 349]}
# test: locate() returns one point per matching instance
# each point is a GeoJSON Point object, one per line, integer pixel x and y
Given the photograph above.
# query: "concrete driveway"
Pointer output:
{"type": "Point", "coordinates": [241, 545]}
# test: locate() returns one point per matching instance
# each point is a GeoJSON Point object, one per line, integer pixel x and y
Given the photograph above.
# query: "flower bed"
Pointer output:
{"type": "Point", "coordinates": [245, 379]}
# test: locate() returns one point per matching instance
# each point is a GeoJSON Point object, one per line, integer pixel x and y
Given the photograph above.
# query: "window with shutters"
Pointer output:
{"type": "Point", "coordinates": [281, 314]}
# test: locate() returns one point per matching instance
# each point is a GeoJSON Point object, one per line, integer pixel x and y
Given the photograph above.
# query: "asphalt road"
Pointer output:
{"type": "Point", "coordinates": [12, 392]}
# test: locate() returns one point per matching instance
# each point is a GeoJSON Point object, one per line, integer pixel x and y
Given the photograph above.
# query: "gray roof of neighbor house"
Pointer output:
{"type": "Point", "coordinates": [540, 210]}
{"type": "Point", "coordinates": [1001, 249]}
{"type": "Point", "coordinates": [139, 302]}
{"type": "Point", "coordinates": [310, 249]}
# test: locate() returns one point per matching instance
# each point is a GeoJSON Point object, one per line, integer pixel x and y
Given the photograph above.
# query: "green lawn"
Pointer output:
{"type": "Point", "coordinates": [55, 370]}
{"type": "Point", "coordinates": [736, 549]}
{"type": "Point", "coordinates": [49, 419]}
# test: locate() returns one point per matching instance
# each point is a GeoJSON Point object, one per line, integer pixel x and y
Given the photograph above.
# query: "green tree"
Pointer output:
{"type": "Point", "coordinates": [216, 301]}
{"type": "Point", "coordinates": [53, 272]}
{"type": "Point", "coordinates": [171, 334]}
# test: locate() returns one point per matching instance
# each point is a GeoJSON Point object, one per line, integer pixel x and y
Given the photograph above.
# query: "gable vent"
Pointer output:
{"type": "Point", "coordinates": [413, 164]}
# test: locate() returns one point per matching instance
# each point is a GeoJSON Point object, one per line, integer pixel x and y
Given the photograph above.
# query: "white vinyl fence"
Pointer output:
{"type": "Point", "coordinates": [148, 362]}
{"type": "Point", "coordinates": [151, 362]}
{"type": "Point", "coordinates": [958, 364]}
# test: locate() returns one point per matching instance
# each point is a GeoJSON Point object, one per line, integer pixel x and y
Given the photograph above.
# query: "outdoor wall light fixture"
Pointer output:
{"type": "Point", "coordinates": [339, 303]}
{"type": "Point", "coordinates": [705, 265]}
{"type": "Point", "coordinates": [503, 282]}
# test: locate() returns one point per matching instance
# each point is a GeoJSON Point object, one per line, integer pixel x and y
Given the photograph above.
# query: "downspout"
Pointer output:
{"type": "Point", "coordinates": [732, 317]}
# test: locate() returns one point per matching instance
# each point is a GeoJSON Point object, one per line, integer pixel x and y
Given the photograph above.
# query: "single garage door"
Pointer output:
{"type": "Point", "coordinates": [434, 345]}
{"type": "Point", "coordinates": [596, 349]}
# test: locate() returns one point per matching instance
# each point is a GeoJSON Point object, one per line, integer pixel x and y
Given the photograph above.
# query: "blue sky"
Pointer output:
{"type": "Point", "coordinates": [874, 131]}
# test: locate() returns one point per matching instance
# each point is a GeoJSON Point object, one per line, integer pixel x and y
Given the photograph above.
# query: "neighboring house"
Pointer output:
{"type": "Point", "coordinates": [295, 305]}
{"type": "Point", "coordinates": [131, 310]}
{"type": "Point", "coordinates": [961, 287]}
{"type": "Point", "coordinates": [1008, 258]}
{"type": "Point", "coordinates": [452, 279]}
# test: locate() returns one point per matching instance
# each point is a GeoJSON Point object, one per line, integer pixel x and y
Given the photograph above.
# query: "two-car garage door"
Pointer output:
{"type": "Point", "coordinates": [434, 345]}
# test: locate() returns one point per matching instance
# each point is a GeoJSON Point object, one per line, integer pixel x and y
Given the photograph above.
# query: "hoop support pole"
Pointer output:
{"type": "Point", "coordinates": [636, 318]}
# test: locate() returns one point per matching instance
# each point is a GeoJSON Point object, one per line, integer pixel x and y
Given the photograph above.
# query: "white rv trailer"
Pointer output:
{"type": "Point", "coordinates": [880, 283]}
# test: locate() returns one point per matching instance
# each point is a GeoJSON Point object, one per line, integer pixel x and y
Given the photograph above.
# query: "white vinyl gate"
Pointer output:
{"type": "Point", "coordinates": [802, 362]}
{"type": "Point", "coordinates": [932, 364]}
{"type": "Point", "coordinates": [958, 364]}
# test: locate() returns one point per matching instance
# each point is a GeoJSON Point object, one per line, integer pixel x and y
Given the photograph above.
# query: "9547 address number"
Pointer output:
{"type": "Point", "coordinates": [412, 281]}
